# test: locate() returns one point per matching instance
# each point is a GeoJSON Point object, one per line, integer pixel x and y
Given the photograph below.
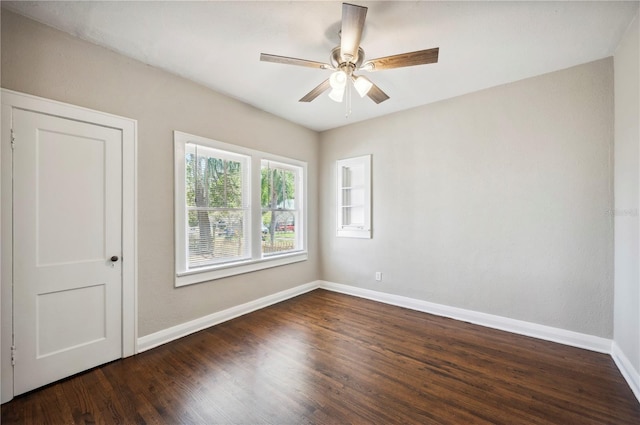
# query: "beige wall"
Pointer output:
{"type": "Point", "coordinates": [627, 203]}
{"type": "Point", "coordinates": [496, 201]}
{"type": "Point", "coordinates": [42, 61]}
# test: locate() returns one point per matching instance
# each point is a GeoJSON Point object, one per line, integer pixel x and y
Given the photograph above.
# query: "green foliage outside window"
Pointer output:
{"type": "Point", "coordinates": [278, 199]}
{"type": "Point", "coordinates": [215, 185]}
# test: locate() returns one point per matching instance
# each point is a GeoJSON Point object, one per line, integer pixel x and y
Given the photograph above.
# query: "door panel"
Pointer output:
{"type": "Point", "coordinates": [60, 330]}
{"type": "Point", "coordinates": [71, 227]}
{"type": "Point", "coordinates": [67, 224]}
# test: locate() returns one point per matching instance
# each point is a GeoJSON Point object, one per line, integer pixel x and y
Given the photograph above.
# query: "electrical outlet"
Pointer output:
{"type": "Point", "coordinates": [378, 276]}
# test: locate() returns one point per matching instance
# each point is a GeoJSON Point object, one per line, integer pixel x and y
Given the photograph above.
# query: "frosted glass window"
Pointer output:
{"type": "Point", "coordinates": [354, 197]}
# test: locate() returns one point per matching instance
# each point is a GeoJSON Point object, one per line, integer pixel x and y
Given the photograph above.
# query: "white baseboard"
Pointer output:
{"type": "Point", "coordinates": [166, 335]}
{"type": "Point", "coordinates": [562, 336]}
{"type": "Point", "coordinates": [626, 368]}
{"type": "Point", "coordinates": [548, 333]}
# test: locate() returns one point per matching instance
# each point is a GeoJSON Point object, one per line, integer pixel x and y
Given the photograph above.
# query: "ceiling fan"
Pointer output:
{"type": "Point", "coordinates": [348, 58]}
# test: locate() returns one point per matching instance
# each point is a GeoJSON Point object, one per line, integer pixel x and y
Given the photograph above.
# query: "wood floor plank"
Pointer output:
{"type": "Point", "coordinates": [328, 358]}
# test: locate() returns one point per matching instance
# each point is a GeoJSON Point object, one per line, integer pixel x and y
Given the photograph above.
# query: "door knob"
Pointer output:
{"type": "Point", "coordinates": [114, 258]}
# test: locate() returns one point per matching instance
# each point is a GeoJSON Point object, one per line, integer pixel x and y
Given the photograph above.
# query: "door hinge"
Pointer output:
{"type": "Point", "coordinates": [13, 355]}
{"type": "Point", "coordinates": [13, 139]}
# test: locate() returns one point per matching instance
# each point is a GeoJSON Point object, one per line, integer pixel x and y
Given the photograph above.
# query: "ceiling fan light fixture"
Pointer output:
{"type": "Point", "coordinates": [338, 80]}
{"type": "Point", "coordinates": [337, 94]}
{"type": "Point", "coordinates": [368, 66]}
{"type": "Point", "coordinates": [362, 85]}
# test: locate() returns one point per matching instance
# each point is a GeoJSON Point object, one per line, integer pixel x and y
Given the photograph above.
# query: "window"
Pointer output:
{"type": "Point", "coordinates": [218, 233]}
{"type": "Point", "coordinates": [354, 197]}
{"type": "Point", "coordinates": [217, 206]}
{"type": "Point", "coordinates": [279, 186]}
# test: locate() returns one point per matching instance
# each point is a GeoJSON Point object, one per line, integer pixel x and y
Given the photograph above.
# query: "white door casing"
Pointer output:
{"type": "Point", "coordinates": [73, 208]}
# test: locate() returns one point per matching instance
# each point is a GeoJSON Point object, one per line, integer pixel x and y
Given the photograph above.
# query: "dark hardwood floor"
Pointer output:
{"type": "Point", "coordinates": [327, 358]}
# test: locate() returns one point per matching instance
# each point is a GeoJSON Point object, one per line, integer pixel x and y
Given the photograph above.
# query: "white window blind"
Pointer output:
{"type": "Point", "coordinates": [217, 194]}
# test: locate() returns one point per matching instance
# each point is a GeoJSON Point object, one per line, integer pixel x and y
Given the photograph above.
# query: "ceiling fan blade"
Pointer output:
{"type": "Point", "coordinates": [352, 25]}
{"type": "Point", "coordinates": [377, 95]}
{"type": "Point", "coordinates": [265, 57]}
{"type": "Point", "coordinates": [421, 57]}
{"type": "Point", "coordinates": [316, 91]}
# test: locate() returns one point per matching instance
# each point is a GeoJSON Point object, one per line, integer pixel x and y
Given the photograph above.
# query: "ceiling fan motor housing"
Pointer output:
{"type": "Point", "coordinates": [339, 62]}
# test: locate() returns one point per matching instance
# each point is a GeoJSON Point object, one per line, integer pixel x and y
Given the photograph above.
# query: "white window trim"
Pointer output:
{"type": "Point", "coordinates": [343, 229]}
{"type": "Point", "coordinates": [257, 261]}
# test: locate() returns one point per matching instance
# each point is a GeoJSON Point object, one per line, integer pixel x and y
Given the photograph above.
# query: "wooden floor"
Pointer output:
{"type": "Point", "coordinates": [327, 358]}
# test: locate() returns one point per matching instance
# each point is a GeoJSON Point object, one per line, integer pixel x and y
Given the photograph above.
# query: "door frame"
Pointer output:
{"type": "Point", "coordinates": [11, 100]}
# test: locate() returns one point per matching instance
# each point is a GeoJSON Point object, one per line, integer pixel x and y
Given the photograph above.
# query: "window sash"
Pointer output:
{"type": "Point", "coordinates": [214, 187]}
{"type": "Point", "coordinates": [285, 205]}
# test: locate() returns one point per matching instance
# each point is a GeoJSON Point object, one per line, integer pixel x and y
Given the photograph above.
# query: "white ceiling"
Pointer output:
{"type": "Point", "coordinates": [218, 44]}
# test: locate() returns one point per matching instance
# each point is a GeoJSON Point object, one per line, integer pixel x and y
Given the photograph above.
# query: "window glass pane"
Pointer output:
{"type": "Point", "coordinates": [212, 181]}
{"type": "Point", "coordinates": [352, 216]}
{"type": "Point", "coordinates": [216, 236]}
{"type": "Point", "coordinates": [278, 231]}
{"type": "Point", "coordinates": [289, 190]}
{"type": "Point", "coordinates": [353, 176]}
{"type": "Point", "coordinates": [225, 183]}
{"type": "Point", "coordinates": [278, 187]}
{"type": "Point", "coordinates": [190, 176]}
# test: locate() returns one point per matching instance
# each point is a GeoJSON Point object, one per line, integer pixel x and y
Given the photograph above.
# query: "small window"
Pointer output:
{"type": "Point", "coordinates": [354, 197]}
{"type": "Point", "coordinates": [237, 210]}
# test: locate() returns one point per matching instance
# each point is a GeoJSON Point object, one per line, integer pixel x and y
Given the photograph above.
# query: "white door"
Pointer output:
{"type": "Point", "coordinates": [67, 288]}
